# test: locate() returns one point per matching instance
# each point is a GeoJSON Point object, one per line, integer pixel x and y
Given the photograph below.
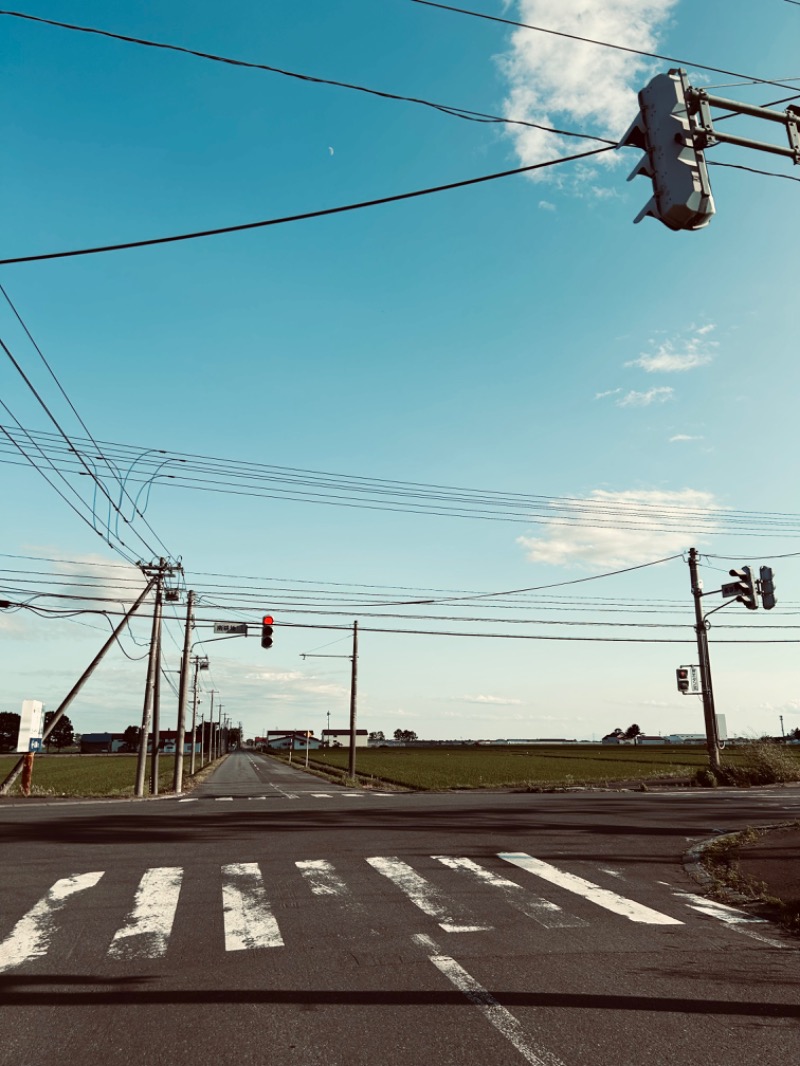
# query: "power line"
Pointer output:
{"type": "Point", "coordinates": [447, 109]}
{"type": "Point", "coordinates": [69, 444]}
{"type": "Point", "coordinates": [454, 633]}
{"type": "Point", "coordinates": [198, 234]}
{"type": "Point", "coordinates": [63, 392]}
{"type": "Point", "coordinates": [752, 170]}
{"type": "Point", "coordinates": [607, 44]}
{"type": "Point", "coordinates": [263, 481]}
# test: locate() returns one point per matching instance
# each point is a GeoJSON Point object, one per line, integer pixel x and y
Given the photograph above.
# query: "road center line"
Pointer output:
{"type": "Point", "coordinates": [497, 1015]}
{"type": "Point", "coordinates": [603, 897]}
{"type": "Point", "coordinates": [31, 936]}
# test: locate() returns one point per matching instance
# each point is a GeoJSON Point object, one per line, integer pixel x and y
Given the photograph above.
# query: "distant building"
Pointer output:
{"type": "Point", "coordinates": [642, 739]}
{"type": "Point", "coordinates": [286, 739]}
{"type": "Point", "coordinates": [334, 737]}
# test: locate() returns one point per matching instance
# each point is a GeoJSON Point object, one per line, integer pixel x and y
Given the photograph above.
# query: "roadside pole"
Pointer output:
{"type": "Point", "coordinates": [61, 709]}
{"type": "Point", "coordinates": [156, 721]}
{"type": "Point", "coordinates": [353, 687]}
{"type": "Point", "coordinates": [196, 661]}
{"type": "Point", "coordinates": [152, 665]}
{"type": "Point", "coordinates": [705, 666]}
{"type": "Point", "coordinates": [211, 712]}
{"type": "Point", "coordinates": [202, 741]}
{"type": "Point", "coordinates": [180, 733]}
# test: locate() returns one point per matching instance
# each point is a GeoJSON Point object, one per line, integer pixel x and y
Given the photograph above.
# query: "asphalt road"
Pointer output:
{"type": "Point", "coordinates": [271, 917]}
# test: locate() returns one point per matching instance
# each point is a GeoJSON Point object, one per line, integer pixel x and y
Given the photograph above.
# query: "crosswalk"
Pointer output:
{"type": "Point", "coordinates": [250, 922]}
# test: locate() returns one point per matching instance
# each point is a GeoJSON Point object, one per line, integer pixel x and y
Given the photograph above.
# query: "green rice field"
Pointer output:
{"type": "Point", "coordinates": [520, 767]}
{"type": "Point", "coordinates": [89, 775]}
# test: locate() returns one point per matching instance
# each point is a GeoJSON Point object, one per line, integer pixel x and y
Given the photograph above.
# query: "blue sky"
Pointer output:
{"type": "Point", "coordinates": [519, 336]}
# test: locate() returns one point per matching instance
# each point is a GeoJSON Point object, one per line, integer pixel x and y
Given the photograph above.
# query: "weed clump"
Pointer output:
{"type": "Point", "coordinates": [763, 763]}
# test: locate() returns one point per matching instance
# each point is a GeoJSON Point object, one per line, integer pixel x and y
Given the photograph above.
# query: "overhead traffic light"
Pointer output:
{"type": "Point", "coordinates": [664, 129]}
{"type": "Point", "coordinates": [747, 587]}
{"type": "Point", "coordinates": [768, 600]}
{"type": "Point", "coordinates": [682, 676]}
{"type": "Point", "coordinates": [266, 631]}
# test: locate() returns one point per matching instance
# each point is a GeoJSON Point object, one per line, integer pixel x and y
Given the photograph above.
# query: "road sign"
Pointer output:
{"type": "Point", "coordinates": [733, 589]}
{"type": "Point", "coordinates": [30, 725]}
{"type": "Point", "coordinates": [236, 628]}
{"type": "Point", "coordinates": [35, 744]}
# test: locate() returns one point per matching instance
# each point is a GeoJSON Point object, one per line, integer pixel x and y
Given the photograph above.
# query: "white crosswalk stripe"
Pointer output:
{"type": "Point", "coordinates": [146, 931]}
{"type": "Point", "coordinates": [603, 897]}
{"type": "Point", "coordinates": [250, 924]}
{"type": "Point", "coordinates": [543, 911]}
{"type": "Point", "coordinates": [424, 895]}
{"type": "Point", "coordinates": [249, 921]}
{"type": "Point", "coordinates": [31, 936]}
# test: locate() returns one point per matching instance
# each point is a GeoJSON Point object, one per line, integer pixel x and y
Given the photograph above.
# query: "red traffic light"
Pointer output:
{"type": "Point", "coordinates": [267, 620]}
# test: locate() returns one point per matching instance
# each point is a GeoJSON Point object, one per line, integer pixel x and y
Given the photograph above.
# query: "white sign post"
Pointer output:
{"type": "Point", "coordinates": [31, 726]}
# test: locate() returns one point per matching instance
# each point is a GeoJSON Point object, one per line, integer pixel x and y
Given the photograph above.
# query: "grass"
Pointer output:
{"type": "Point", "coordinates": [730, 885]}
{"type": "Point", "coordinates": [516, 766]}
{"type": "Point", "coordinates": [90, 775]}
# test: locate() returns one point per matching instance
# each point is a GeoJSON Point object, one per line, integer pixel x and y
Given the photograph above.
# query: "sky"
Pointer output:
{"type": "Point", "coordinates": [295, 412]}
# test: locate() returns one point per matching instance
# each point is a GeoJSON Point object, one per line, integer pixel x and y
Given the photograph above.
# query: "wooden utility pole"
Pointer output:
{"type": "Point", "coordinates": [156, 721]}
{"type": "Point", "coordinates": [180, 734]}
{"type": "Point", "coordinates": [701, 629]}
{"type": "Point", "coordinates": [353, 691]}
{"type": "Point", "coordinates": [152, 666]}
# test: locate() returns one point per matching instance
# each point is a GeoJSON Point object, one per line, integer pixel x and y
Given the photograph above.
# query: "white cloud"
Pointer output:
{"type": "Point", "coordinates": [495, 701]}
{"type": "Point", "coordinates": [659, 394]}
{"type": "Point", "coordinates": [545, 205]}
{"type": "Point", "coordinates": [679, 354]}
{"type": "Point", "coordinates": [683, 437]}
{"type": "Point", "coordinates": [608, 392]}
{"type": "Point", "coordinates": [556, 81]}
{"type": "Point", "coordinates": [656, 523]}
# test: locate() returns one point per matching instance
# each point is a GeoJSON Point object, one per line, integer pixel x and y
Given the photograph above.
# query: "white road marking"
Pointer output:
{"type": "Point", "coordinates": [612, 873]}
{"type": "Point", "coordinates": [192, 800]}
{"type": "Point", "coordinates": [541, 910]}
{"type": "Point", "coordinates": [322, 878]}
{"type": "Point", "coordinates": [321, 795]}
{"type": "Point", "coordinates": [497, 1015]}
{"type": "Point", "coordinates": [146, 931]}
{"type": "Point", "coordinates": [716, 910]}
{"type": "Point", "coordinates": [732, 917]}
{"type": "Point", "coordinates": [30, 938]}
{"type": "Point", "coordinates": [351, 795]}
{"type": "Point", "coordinates": [423, 894]}
{"type": "Point", "coordinates": [635, 912]}
{"type": "Point", "coordinates": [249, 922]}
{"type": "Point", "coordinates": [224, 799]}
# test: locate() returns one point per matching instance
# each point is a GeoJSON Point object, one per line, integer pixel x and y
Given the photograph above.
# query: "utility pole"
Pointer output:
{"type": "Point", "coordinates": [219, 732]}
{"type": "Point", "coordinates": [211, 712]}
{"type": "Point", "coordinates": [353, 686]}
{"type": "Point", "coordinates": [180, 734]}
{"type": "Point", "coordinates": [202, 741]}
{"type": "Point", "coordinates": [156, 721]}
{"type": "Point", "coordinates": [200, 663]}
{"type": "Point", "coordinates": [152, 665]}
{"type": "Point", "coordinates": [73, 692]}
{"type": "Point", "coordinates": [701, 629]}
